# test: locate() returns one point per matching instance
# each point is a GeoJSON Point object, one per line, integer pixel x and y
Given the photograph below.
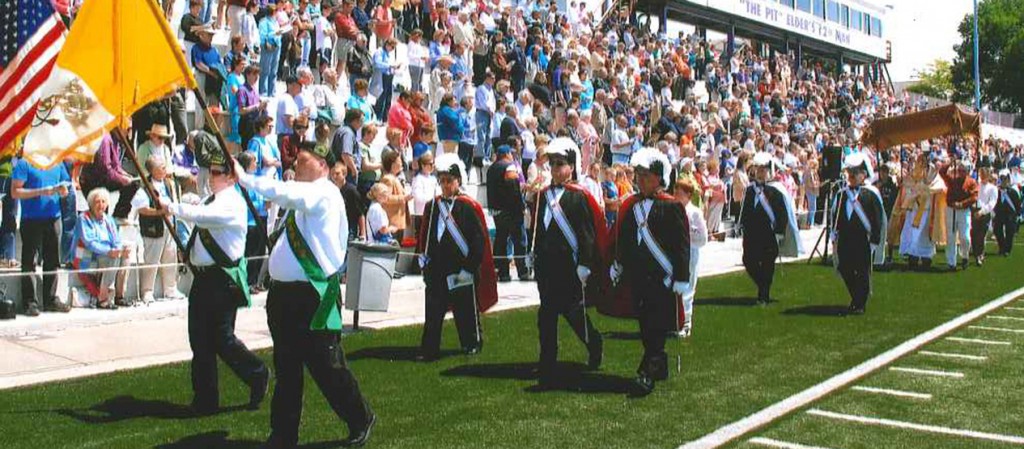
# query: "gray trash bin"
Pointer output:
{"type": "Point", "coordinates": [370, 270]}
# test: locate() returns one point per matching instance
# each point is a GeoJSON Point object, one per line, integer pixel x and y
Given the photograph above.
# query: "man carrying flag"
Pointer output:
{"type": "Point", "coordinates": [652, 258]}
{"type": "Point", "coordinates": [457, 263]}
{"type": "Point", "coordinates": [570, 244]}
{"type": "Point", "coordinates": [859, 235]}
{"type": "Point", "coordinates": [302, 305]}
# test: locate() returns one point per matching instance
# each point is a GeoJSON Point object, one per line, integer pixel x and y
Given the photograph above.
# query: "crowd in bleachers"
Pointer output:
{"type": "Point", "coordinates": [387, 85]}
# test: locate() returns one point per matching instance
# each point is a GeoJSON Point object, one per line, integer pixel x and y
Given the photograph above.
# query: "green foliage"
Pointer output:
{"type": "Point", "coordinates": [1001, 51]}
{"type": "Point", "coordinates": [935, 81]}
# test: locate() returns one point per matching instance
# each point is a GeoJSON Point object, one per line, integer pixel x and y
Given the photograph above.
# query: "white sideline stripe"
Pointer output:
{"type": "Point", "coordinates": [954, 355]}
{"type": "Point", "coordinates": [919, 427]}
{"type": "Point", "coordinates": [1004, 317]}
{"type": "Point", "coordinates": [997, 329]}
{"type": "Point", "coordinates": [1019, 309]}
{"type": "Point", "coordinates": [899, 393]}
{"type": "Point", "coordinates": [804, 398]}
{"type": "Point", "coordinates": [781, 444]}
{"type": "Point", "coordinates": [927, 372]}
{"type": "Point", "coordinates": [979, 341]}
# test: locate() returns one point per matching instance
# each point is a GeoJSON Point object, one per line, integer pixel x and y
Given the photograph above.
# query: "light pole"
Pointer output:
{"type": "Point", "coordinates": [977, 69]}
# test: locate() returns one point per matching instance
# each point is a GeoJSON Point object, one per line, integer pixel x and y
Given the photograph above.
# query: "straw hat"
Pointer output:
{"type": "Point", "coordinates": [159, 131]}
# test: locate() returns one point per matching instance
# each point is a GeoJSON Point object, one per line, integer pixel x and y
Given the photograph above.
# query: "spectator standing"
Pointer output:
{"type": "Point", "coordinates": [417, 55]}
{"type": "Point", "coordinates": [346, 31]}
{"type": "Point", "coordinates": [486, 105]}
{"type": "Point", "coordinates": [158, 246]}
{"type": "Point", "coordinates": [505, 200]}
{"type": "Point", "coordinates": [250, 105]}
{"type": "Point", "coordinates": [40, 192]}
{"type": "Point", "coordinates": [424, 187]}
{"type": "Point", "coordinates": [380, 228]}
{"type": "Point", "coordinates": [981, 216]}
{"type": "Point", "coordinates": [395, 201]}
{"type": "Point", "coordinates": [344, 145]}
{"type": "Point", "coordinates": [270, 50]}
{"type": "Point", "coordinates": [9, 209]}
{"type": "Point", "coordinates": [370, 167]}
{"type": "Point", "coordinates": [385, 64]}
{"type": "Point", "coordinates": [255, 238]}
{"type": "Point", "coordinates": [449, 124]}
{"type": "Point", "coordinates": [354, 204]}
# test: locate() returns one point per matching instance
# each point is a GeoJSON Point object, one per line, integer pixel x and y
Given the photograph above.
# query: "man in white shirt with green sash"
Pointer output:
{"type": "Point", "coordinates": [302, 305]}
{"type": "Point", "coordinates": [215, 250]}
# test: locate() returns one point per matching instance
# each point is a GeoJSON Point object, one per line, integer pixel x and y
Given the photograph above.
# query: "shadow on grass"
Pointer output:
{"type": "Point", "coordinates": [219, 439]}
{"type": "Point", "coordinates": [622, 335]}
{"type": "Point", "coordinates": [726, 302]}
{"type": "Point", "coordinates": [574, 377]}
{"type": "Point", "coordinates": [821, 310]}
{"type": "Point", "coordinates": [123, 408]}
{"type": "Point", "coordinates": [395, 353]}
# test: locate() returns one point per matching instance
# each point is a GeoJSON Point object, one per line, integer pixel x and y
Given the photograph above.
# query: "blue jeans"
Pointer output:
{"type": "Point", "coordinates": [812, 208]}
{"type": "Point", "coordinates": [483, 135]}
{"type": "Point", "coordinates": [8, 223]}
{"type": "Point", "coordinates": [383, 104]}
{"type": "Point", "coordinates": [269, 60]}
{"type": "Point", "coordinates": [207, 13]}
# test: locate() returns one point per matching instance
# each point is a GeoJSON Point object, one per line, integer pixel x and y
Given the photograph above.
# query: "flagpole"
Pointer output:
{"type": "Point", "coordinates": [212, 123]}
{"type": "Point", "coordinates": [118, 134]}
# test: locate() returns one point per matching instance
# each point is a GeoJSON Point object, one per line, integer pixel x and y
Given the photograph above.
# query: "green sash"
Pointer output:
{"type": "Point", "coordinates": [237, 271]}
{"type": "Point", "coordinates": [327, 316]}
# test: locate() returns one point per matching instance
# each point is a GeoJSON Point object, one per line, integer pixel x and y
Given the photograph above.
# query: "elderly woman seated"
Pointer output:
{"type": "Point", "coordinates": [100, 246]}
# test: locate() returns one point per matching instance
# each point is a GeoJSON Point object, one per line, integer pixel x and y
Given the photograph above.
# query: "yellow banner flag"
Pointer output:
{"type": "Point", "coordinates": [118, 56]}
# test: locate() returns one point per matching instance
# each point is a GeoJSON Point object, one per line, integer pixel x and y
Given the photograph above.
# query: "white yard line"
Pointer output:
{"type": "Point", "coordinates": [927, 372]}
{"type": "Point", "coordinates": [1019, 309]}
{"type": "Point", "coordinates": [953, 355]}
{"type": "Point", "coordinates": [918, 427]}
{"type": "Point", "coordinates": [897, 393]}
{"type": "Point", "coordinates": [1004, 317]}
{"type": "Point", "coordinates": [781, 444]}
{"type": "Point", "coordinates": [997, 329]}
{"type": "Point", "coordinates": [800, 400]}
{"type": "Point", "coordinates": [979, 341]}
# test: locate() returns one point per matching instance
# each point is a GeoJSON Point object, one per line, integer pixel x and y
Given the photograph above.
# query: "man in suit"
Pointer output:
{"type": "Point", "coordinates": [653, 259]}
{"type": "Point", "coordinates": [860, 222]}
{"type": "Point", "coordinates": [566, 253]}
{"type": "Point", "coordinates": [456, 260]}
{"type": "Point", "coordinates": [1007, 210]}
{"type": "Point", "coordinates": [764, 220]}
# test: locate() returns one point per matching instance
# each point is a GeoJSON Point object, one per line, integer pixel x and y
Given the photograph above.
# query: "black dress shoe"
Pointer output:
{"type": "Point", "coordinates": [32, 310]}
{"type": "Point", "coordinates": [643, 386]}
{"type": "Point", "coordinates": [258, 390]}
{"type": "Point", "coordinates": [427, 357]}
{"type": "Point", "coordinates": [855, 311]}
{"type": "Point", "coordinates": [275, 444]}
{"type": "Point", "coordinates": [57, 307]}
{"type": "Point", "coordinates": [471, 350]}
{"type": "Point", "coordinates": [360, 437]}
{"type": "Point", "coordinates": [203, 409]}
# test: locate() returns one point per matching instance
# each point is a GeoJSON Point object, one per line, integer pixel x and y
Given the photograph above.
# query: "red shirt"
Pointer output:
{"type": "Point", "coordinates": [420, 119]}
{"type": "Point", "coordinates": [345, 26]}
{"type": "Point", "coordinates": [400, 117]}
{"type": "Point", "coordinates": [961, 193]}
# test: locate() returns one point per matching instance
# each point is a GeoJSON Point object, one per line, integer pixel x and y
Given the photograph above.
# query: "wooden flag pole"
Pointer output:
{"type": "Point", "coordinates": [119, 134]}
{"type": "Point", "coordinates": [229, 161]}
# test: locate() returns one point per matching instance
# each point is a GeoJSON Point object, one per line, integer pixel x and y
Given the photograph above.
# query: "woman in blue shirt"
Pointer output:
{"type": "Point", "coordinates": [99, 246]}
{"type": "Point", "coordinates": [270, 50]}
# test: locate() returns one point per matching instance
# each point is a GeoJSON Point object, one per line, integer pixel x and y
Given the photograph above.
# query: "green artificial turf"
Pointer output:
{"type": "Point", "coordinates": [741, 358]}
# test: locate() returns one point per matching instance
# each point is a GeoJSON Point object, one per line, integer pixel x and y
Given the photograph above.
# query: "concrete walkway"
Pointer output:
{"type": "Point", "coordinates": [85, 342]}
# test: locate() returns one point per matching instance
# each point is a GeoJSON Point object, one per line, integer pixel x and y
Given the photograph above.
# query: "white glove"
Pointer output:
{"type": "Point", "coordinates": [874, 248]}
{"type": "Point", "coordinates": [615, 272]}
{"type": "Point", "coordinates": [583, 273]}
{"type": "Point", "coordinates": [423, 259]}
{"type": "Point", "coordinates": [680, 287]}
{"type": "Point", "coordinates": [464, 277]}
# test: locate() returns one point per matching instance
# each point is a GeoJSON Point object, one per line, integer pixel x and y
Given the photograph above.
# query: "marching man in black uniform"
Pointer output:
{"type": "Point", "coordinates": [764, 220]}
{"type": "Point", "coordinates": [457, 263]}
{"type": "Point", "coordinates": [302, 305]}
{"type": "Point", "coordinates": [219, 288]}
{"type": "Point", "coordinates": [652, 259]}
{"type": "Point", "coordinates": [567, 253]}
{"type": "Point", "coordinates": [859, 231]}
{"type": "Point", "coordinates": [1007, 210]}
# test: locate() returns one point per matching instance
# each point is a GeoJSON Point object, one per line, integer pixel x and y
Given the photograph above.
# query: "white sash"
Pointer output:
{"type": "Point", "coordinates": [859, 210]}
{"type": "Point", "coordinates": [763, 200]}
{"type": "Point", "coordinates": [652, 245]}
{"type": "Point", "coordinates": [445, 214]}
{"type": "Point", "coordinates": [563, 223]}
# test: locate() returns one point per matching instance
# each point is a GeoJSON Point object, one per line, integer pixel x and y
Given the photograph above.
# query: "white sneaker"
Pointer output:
{"type": "Point", "coordinates": [685, 331]}
{"type": "Point", "coordinates": [174, 295]}
{"type": "Point", "coordinates": [147, 297]}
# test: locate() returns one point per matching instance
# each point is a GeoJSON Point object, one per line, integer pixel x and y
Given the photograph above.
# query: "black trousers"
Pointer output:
{"type": "Point", "coordinates": [463, 306]}
{"type": "Point", "coordinates": [290, 308]}
{"type": "Point", "coordinates": [657, 310]}
{"type": "Point", "coordinates": [760, 265]}
{"type": "Point", "coordinates": [562, 297]}
{"type": "Point", "coordinates": [39, 238]}
{"type": "Point", "coordinates": [1005, 228]}
{"type": "Point", "coordinates": [857, 277]}
{"type": "Point", "coordinates": [509, 226]}
{"type": "Point", "coordinates": [979, 229]}
{"type": "Point", "coordinates": [211, 334]}
{"type": "Point", "coordinates": [255, 245]}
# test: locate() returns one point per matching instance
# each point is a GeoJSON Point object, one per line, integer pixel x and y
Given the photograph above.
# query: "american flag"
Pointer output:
{"type": "Point", "coordinates": [31, 35]}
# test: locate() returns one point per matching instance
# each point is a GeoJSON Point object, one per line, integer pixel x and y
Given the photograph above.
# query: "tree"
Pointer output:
{"type": "Point", "coordinates": [1001, 51]}
{"type": "Point", "coordinates": [935, 81]}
